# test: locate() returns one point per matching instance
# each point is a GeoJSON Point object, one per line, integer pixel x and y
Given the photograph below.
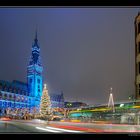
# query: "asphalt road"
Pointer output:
{"type": "Point", "coordinates": [39, 126]}
{"type": "Point", "coordinates": [21, 126]}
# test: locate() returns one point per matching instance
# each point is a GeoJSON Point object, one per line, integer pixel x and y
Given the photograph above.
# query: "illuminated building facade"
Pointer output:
{"type": "Point", "coordinates": [137, 56]}
{"type": "Point", "coordinates": [19, 95]}
{"type": "Point", "coordinates": [34, 74]}
{"type": "Point", "coordinates": [57, 100]}
{"type": "Point", "coordinates": [14, 95]}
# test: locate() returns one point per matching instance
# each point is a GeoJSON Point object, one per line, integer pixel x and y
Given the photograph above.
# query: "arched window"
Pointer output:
{"type": "Point", "coordinates": [18, 98]}
{"type": "Point", "coordinates": [10, 89]}
{"type": "Point", "coordinates": [14, 90]}
{"type": "Point", "coordinates": [5, 96]}
{"type": "Point", "coordinates": [0, 85]}
{"type": "Point", "coordinates": [19, 91]}
{"type": "Point", "coordinates": [5, 88]}
{"type": "Point", "coordinates": [10, 97]}
{"type": "Point", "coordinates": [26, 100]}
{"type": "Point", "coordinates": [0, 95]}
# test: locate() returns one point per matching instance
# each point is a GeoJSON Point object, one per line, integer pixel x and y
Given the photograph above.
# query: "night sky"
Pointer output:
{"type": "Point", "coordinates": [84, 51]}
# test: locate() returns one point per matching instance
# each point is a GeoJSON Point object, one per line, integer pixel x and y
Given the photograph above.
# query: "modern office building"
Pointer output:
{"type": "Point", "coordinates": [137, 56]}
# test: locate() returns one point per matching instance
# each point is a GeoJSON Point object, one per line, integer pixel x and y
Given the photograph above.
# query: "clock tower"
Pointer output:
{"type": "Point", "coordinates": [34, 74]}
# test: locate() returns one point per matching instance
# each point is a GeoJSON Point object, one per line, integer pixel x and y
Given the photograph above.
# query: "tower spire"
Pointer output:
{"type": "Point", "coordinates": [36, 40]}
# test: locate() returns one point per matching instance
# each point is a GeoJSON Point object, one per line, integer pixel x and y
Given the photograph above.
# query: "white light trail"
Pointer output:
{"type": "Point", "coordinates": [60, 129]}
{"type": "Point", "coordinates": [48, 130]}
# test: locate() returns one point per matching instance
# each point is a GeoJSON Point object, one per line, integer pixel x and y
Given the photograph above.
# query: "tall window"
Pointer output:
{"type": "Point", "coordinates": [5, 96]}
{"type": "Point", "coordinates": [10, 97]}
{"type": "Point", "coordinates": [38, 80]}
{"type": "Point", "coordinates": [0, 86]}
{"type": "Point", "coordinates": [139, 47]}
{"type": "Point", "coordinates": [138, 27]}
{"type": "Point", "coordinates": [139, 67]}
{"type": "Point", "coordinates": [139, 89]}
{"type": "Point", "coordinates": [0, 95]}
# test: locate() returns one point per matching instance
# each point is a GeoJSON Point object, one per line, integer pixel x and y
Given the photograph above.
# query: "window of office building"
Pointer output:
{"type": "Point", "coordinates": [139, 89]}
{"type": "Point", "coordinates": [138, 27]}
{"type": "Point", "coordinates": [139, 47]}
{"type": "Point", "coordinates": [139, 67]}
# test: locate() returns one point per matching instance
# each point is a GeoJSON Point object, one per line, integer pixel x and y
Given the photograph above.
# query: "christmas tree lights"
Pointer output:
{"type": "Point", "coordinates": [45, 105]}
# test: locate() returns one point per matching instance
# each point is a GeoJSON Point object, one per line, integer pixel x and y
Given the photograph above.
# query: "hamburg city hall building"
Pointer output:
{"type": "Point", "coordinates": [17, 95]}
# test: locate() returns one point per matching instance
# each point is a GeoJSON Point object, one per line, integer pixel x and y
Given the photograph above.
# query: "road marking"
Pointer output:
{"type": "Point", "coordinates": [60, 129]}
{"type": "Point", "coordinates": [48, 130]}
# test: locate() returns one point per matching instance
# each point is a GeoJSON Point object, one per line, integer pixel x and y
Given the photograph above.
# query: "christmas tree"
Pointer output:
{"type": "Point", "coordinates": [45, 106]}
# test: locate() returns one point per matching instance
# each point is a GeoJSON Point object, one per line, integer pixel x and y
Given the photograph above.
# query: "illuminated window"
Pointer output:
{"type": "Point", "coordinates": [5, 96]}
{"type": "Point", "coordinates": [22, 98]}
{"type": "Point", "coordinates": [38, 80]}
